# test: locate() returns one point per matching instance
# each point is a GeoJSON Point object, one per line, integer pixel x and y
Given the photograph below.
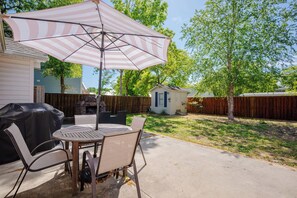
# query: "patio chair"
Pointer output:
{"type": "Point", "coordinates": [138, 123]}
{"type": "Point", "coordinates": [86, 119]}
{"type": "Point", "coordinates": [38, 162]}
{"type": "Point", "coordinates": [117, 153]}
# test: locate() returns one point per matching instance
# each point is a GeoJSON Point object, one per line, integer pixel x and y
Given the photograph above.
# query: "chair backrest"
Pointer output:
{"type": "Point", "coordinates": [104, 117]}
{"type": "Point", "coordinates": [85, 119]}
{"type": "Point", "coordinates": [117, 151]}
{"type": "Point", "coordinates": [19, 144]}
{"type": "Point", "coordinates": [121, 117]}
{"type": "Point", "coordinates": [138, 123]}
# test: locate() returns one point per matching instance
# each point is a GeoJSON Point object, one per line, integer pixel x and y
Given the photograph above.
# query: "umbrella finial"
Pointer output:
{"type": "Point", "coordinates": [96, 1]}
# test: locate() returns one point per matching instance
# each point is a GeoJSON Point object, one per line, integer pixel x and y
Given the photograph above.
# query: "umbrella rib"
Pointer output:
{"type": "Point", "coordinates": [78, 48]}
{"type": "Point", "coordinates": [140, 49]}
{"type": "Point", "coordinates": [90, 44]}
{"type": "Point", "coordinates": [107, 49]}
{"type": "Point", "coordinates": [52, 37]}
{"type": "Point", "coordinates": [124, 54]}
{"type": "Point", "coordinates": [113, 42]}
{"type": "Point", "coordinates": [54, 21]}
{"type": "Point", "coordinates": [141, 35]}
{"type": "Point", "coordinates": [99, 16]}
{"type": "Point", "coordinates": [91, 36]}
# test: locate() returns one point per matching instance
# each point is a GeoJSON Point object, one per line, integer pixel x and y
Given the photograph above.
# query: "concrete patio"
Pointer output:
{"type": "Point", "coordinates": [175, 169]}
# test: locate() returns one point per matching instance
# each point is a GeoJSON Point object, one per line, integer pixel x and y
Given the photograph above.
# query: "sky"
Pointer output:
{"type": "Point", "coordinates": [179, 12]}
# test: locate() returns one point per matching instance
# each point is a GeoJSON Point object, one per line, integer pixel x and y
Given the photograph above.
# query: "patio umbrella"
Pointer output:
{"type": "Point", "coordinates": [90, 33]}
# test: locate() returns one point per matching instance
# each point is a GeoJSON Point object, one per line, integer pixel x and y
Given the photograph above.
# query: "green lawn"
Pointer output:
{"type": "Point", "coordinates": [274, 141]}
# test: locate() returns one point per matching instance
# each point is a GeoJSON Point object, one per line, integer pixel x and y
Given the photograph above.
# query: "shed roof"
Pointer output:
{"type": "Point", "coordinates": [169, 88]}
{"type": "Point", "coordinates": [15, 48]}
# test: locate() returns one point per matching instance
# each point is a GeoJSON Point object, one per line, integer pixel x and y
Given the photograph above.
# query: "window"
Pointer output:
{"type": "Point", "coordinates": [161, 99]}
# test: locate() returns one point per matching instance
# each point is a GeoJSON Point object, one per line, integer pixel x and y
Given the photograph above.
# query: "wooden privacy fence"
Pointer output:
{"type": "Point", "coordinates": [271, 107]}
{"type": "Point", "coordinates": [67, 103]}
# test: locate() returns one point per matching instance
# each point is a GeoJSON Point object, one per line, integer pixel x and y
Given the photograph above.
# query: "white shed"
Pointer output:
{"type": "Point", "coordinates": [17, 63]}
{"type": "Point", "coordinates": [169, 100]}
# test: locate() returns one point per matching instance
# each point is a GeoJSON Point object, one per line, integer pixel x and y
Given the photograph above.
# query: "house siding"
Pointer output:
{"type": "Point", "coordinates": [16, 79]}
{"type": "Point", "coordinates": [52, 84]}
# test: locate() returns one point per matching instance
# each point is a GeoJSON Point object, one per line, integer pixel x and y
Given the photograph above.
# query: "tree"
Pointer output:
{"type": "Point", "coordinates": [54, 66]}
{"type": "Point", "coordinates": [289, 78]}
{"type": "Point", "coordinates": [235, 42]}
{"type": "Point", "coordinates": [61, 70]}
{"type": "Point", "coordinates": [30, 5]}
{"type": "Point", "coordinates": [153, 13]}
{"type": "Point", "coordinates": [106, 82]}
{"type": "Point", "coordinates": [93, 90]}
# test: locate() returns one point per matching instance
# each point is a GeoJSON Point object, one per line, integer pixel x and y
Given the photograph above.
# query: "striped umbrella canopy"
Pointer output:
{"type": "Point", "coordinates": [90, 33]}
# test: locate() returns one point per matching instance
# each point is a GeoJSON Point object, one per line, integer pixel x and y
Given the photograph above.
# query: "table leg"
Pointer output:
{"type": "Point", "coordinates": [75, 164]}
{"type": "Point", "coordinates": [66, 164]}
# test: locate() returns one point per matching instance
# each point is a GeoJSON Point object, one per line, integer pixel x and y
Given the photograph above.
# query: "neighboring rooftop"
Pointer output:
{"type": "Point", "coordinates": [169, 87]}
{"type": "Point", "coordinates": [15, 48]}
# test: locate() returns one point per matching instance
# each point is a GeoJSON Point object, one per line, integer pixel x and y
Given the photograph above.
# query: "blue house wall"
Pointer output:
{"type": "Point", "coordinates": [52, 84]}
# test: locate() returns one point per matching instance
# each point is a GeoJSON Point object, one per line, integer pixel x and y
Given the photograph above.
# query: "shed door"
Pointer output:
{"type": "Point", "coordinates": [156, 99]}
{"type": "Point", "coordinates": [165, 99]}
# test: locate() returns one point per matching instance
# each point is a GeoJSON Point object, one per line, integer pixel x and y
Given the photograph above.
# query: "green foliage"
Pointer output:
{"type": "Point", "coordinates": [238, 45]}
{"type": "Point", "coordinates": [61, 70]}
{"type": "Point", "coordinates": [151, 13]}
{"type": "Point", "coordinates": [289, 78]}
{"type": "Point", "coordinates": [30, 5]}
{"type": "Point", "coordinates": [106, 82]}
{"type": "Point", "coordinates": [93, 90]}
{"type": "Point", "coordinates": [176, 71]}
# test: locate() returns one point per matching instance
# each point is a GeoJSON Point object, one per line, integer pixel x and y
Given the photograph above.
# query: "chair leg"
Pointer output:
{"type": "Point", "coordinates": [17, 182]}
{"type": "Point", "coordinates": [136, 179]}
{"type": "Point", "coordinates": [82, 182]}
{"type": "Point", "coordinates": [69, 168]}
{"type": "Point", "coordinates": [142, 153]}
{"type": "Point", "coordinates": [95, 149]}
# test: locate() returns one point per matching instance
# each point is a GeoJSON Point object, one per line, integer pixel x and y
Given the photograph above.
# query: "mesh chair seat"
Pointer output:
{"type": "Point", "coordinates": [138, 123]}
{"type": "Point", "coordinates": [50, 159]}
{"type": "Point", "coordinates": [117, 152]}
{"type": "Point", "coordinates": [37, 162]}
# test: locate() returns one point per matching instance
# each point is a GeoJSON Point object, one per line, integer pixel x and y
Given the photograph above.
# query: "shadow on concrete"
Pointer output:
{"type": "Point", "coordinates": [60, 187]}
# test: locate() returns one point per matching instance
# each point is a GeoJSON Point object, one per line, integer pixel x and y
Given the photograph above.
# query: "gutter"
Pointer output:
{"type": "Point", "coordinates": [2, 40]}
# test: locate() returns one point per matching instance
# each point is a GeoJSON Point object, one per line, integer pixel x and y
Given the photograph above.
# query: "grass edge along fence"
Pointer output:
{"type": "Point", "coordinates": [268, 107]}
{"type": "Point", "coordinates": [67, 102]}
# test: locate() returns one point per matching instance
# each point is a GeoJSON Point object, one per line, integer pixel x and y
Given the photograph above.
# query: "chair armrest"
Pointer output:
{"type": "Point", "coordinates": [46, 142]}
{"type": "Point", "coordinates": [50, 151]}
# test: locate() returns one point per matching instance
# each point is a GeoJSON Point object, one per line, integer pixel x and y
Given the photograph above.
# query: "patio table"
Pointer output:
{"type": "Point", "coordinates": [84, 133]}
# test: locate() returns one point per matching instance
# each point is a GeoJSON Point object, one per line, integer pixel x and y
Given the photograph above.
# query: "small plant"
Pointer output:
{"type": "Point", "coordinates": [163, 112]}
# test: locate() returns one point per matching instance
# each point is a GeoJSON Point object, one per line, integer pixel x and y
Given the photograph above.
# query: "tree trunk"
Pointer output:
{"type": "Point", "coordinates": [121, 82]}
{"type": "Point", "coordinates": [230, 97]}
{"type": "Point", "coordinates": [62, 84]}
{"type": "Point", "coordinates": [230, 100]}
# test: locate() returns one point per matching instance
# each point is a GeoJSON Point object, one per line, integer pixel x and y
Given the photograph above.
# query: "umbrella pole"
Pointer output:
{"type": "Point", "coordinates": [100, 79]}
